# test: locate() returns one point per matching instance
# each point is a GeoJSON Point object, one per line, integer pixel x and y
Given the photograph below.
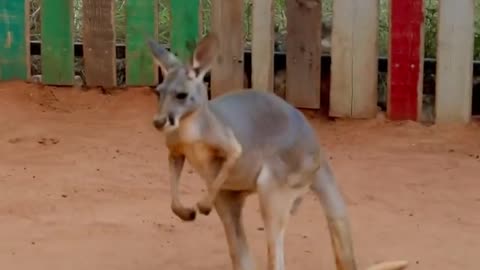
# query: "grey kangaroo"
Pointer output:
{"type": "Point", "coordinates": [242, 143]}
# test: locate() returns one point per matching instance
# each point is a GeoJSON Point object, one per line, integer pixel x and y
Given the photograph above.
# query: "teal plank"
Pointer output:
{"type": "Point", "coordinates": [57, 42]}
{"type": "Point", "coordinates": [14, 45]}
{"type": "Point", "coordinates": [141, 24]}
{"type": "Point", "coordinates": [184, 27]}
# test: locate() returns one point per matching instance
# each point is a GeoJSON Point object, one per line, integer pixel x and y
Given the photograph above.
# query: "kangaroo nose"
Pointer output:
{"type": "Point", "coordinates": [171, 119]}
{"type": "Point", "coordinates": [158, 123]}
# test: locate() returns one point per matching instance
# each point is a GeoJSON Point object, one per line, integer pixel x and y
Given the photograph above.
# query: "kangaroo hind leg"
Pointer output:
{"type": "Point", "coordinates": [276, 202]}
{"type": "Point", "coordinates": [229, 205]}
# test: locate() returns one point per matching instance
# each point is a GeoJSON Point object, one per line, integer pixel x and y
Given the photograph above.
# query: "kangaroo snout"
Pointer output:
{"type": "Point", "coordinates": [160, 122]}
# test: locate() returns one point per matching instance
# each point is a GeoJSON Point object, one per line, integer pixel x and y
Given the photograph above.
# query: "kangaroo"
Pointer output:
{"type": "Point", "coordinates": [245, 142]}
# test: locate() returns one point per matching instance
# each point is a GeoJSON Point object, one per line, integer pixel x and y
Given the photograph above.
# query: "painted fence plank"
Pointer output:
{"type": "Point", "coordinates": [201, 16]}
{"type": "Point", "coordinates": [57, 42]}
{"type": "Point", "coordinates": [184, 27]}
{"type": "Point", "coordinates": [354, 59]}
{"type": "Point", "coordinates": [99, 43]}
{"type": "Point", "coordinates": [365, 63]}
{"type": "Point", "coordinates": [341, 82]}
{"type": "Point", "coordinates": [227, 22]}
{"type": "Point", "coordinates": [141, 24]}
{"type": "Point", "coordinates": [453, 99]}
{"type": "Point", "coordinates": [262, 45]}
{"type": "Point", "coordinates": [405, 80]}
{"type": "Point", "coordinates": [14, 40]}
{"type": "Point", "coordinates": [304, 31]}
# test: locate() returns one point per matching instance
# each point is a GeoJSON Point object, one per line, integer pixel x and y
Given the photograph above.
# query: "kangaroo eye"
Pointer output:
{"type": "Point", "coordinates": [181, 95]}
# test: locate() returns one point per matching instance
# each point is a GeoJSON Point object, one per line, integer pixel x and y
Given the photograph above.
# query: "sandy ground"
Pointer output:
{"type": "Point", "coordinates": [83, 185]}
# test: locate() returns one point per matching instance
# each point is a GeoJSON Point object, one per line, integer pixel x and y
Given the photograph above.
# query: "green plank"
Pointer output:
{"type": "Point", "coordinates": [141, 24]}
{"type": "Point", "coordinates": [57, 42]}
{"type": "Point", "coordinates": [184, 26]}
{"type": "Point", "coordinates": [14, 46]}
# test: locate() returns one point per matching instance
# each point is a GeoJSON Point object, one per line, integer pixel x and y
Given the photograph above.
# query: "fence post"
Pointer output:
{"type": "Point", "coordinates": [304, 34]}
{"type": "Point", "coordinates": [262, 45]}
{"type": "Point", "coordinates": [405, 65]}
{"type": "Point", "coordinates": [227, 22]}
{"type": "Point", "coordinates": [14, 40]}
{"type": "Point", "coordinates": [99, 43]}
{"type": "Point", "coordinates": [184, 27]}
{"type": "Point", "coordinates": [141, 24]}
{"type": "Point", "coordinates": [57, 42]}
{"type": "Point", "coordinates": [354, 59]}
{"type": "Point", "coordinates": [453, 99]}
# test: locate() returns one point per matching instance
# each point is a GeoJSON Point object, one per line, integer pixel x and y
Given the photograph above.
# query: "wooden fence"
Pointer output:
{"type": "Point", "coordinates": [354, 50]}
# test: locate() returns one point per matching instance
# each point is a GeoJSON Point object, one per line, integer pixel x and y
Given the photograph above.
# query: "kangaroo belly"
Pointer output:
{"type": "Point", "coordinates": [244, 174]}
{"type": "Point", "coordinates": [202, 159]}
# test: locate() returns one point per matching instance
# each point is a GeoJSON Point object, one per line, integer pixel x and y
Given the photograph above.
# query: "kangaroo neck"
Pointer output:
{"type": "Point", "coordinates": [196, 123]}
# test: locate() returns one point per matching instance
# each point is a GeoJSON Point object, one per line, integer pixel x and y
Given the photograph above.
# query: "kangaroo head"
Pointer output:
{"type": "Point", "coordinates": [182, 90]}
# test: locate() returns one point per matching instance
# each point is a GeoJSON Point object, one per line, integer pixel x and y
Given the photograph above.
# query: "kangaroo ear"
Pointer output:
{"type": "Point", "coordinates": [205, 54]}
{"type": "Point", "coordinates": [163, 58]}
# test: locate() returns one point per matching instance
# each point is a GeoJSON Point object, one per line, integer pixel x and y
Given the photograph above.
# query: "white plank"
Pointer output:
{"type": "Point", "coordinates": [354, 59]}
{"type": "Point", "coordinates": [341, 84]}
{"type": "Point", "coordinates": [453, 97]}
{"type": "Point", "coordinates": [262, 45]}
{"type": "Point", "coordinates": [365, 59]}
{"type": "Point", "coordinates": [227, 71]}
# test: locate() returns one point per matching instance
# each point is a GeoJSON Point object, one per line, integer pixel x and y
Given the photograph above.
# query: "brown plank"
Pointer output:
{"type": "Point", "coordinates": [304, 49]}
{"type": "Point", "coordinates": [262, 45]}
{"type": "Point", "coordinates": [455, 61]}
{"type": "Point", "coordinates": [99, 43]}
{"type": "Point", "coordinates": [354, 59]}
{"type": "Point", "coordinates": [227, 22]}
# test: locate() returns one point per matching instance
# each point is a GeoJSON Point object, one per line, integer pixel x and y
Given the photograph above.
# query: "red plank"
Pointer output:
{"type": "Point", "coordinates": [405, 60]}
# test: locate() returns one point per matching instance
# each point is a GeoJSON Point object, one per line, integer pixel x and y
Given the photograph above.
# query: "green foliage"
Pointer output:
{"type": "Point", "coordinates": [476, 52]}
{"type": "Point", "coordinates": [431, 20]}
{"type": "Point", "coordinates": [280, 22]}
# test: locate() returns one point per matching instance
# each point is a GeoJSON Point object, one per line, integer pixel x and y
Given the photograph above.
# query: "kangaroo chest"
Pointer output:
{"type": "Point", "coordinates": [207, 162]}
{"type": "Point", "coordinates": [204, 159]}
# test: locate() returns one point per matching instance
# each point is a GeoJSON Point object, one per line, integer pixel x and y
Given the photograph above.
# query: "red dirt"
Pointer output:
{"type": "Point", "coordinates": [83, 182]}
